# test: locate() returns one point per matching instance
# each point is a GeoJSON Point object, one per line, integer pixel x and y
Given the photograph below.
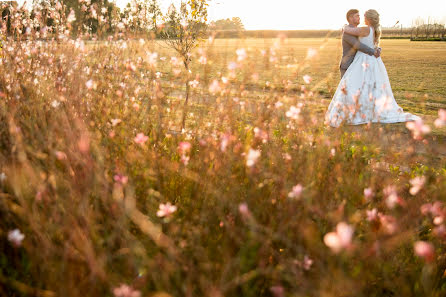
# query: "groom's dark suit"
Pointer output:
{"type": "Point", "coordinates": [350, 45]}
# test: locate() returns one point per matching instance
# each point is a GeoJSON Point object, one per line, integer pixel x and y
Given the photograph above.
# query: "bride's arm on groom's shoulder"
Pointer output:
{"type": "Point", "coordinates": [359, 31]}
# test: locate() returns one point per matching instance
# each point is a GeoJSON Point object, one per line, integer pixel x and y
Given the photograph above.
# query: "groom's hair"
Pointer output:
{"type": "Point", "coordinates": [350, 13]}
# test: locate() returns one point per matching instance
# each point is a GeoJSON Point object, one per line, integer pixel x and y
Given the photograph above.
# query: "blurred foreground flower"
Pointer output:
{"type": "Point", "coordinates": [16, 237]}
{"type": "Point", "coordinates": [441, 121]}
{"type": "Point", "coordinates": [417, 183]}
{"type": "Point", "coordinates": [141, 138]}
{"type": "Point", "coordinates": [125, 291]}
{"type": "Point", "coordinates": [244, 210]}
{"type": "Point", "coordinates": [368, 194]}
{"type": "Point", "coordinates": [296, 192]}
{"type": "Point", "coordinates": [2, 177]}
{"type": "Point", "coordinates": [278, 291]}
{"type": "Point", "coordinates": [252, 157]}
{"type": "Point", "coordinates": [293, 112]}
{"type": "Point", "coordinates": [121, 179]}
{"type": "Point", "coordinates": [307, 79]}
{"type": "Point", "coordinates": [311, 53]}
{"type": "Point", "coordinates": [392, 198]}
{"type": "Point", "coordinates": [424, 250]}
{"type": "Point", "coordinates": [341, 239]}
{"type": "Point", "coordinates": [418, 129]}
{"type": "Point", "coordinates": [166, 210]}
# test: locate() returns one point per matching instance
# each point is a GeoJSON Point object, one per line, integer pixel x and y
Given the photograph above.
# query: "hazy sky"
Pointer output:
{"type": "Point", "coordinates": [314, 14]}
{"type": "Point", "coordinates": [317, 14]}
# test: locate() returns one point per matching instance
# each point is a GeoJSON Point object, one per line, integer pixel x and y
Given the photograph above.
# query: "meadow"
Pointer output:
{"type": "Point", "coordinates": [103, 194]}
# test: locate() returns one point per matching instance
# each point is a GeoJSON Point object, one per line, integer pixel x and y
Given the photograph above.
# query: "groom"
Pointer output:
{"type": "Point", "coordinates": [351, 44]}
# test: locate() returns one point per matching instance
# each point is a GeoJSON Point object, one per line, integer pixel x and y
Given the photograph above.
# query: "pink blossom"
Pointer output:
{"type": "Point", "coordinates": [308, 262]}
{"type": "Point", "coordinates": [372, 215]}
{"type": "Point", "coordinates": [165, 210]}
{"type": "Point", "coordinates": [244, 210]}
{"type": "Point", "coordinates": [225, 138]}
{"type": "Point", "coordinates": [184, 147]}
{"type": "Point", "coordinates": [417, 183]}
{"type": "Point", "coordinates": [16, 237]}
{"type": "Point", "coordinates": [152, 58]}
{"type": "Point", "coordinates": [115, 122]}
{"type": "Point", "coordinates": [125, 291]}
{"type": "Point", "coordinates": [141, 138]}
{"type": "Point", "coordinates": [214, 87]}
{"type": "Point", "coordinates": [90, 84]}
{"type": "Point", "coordinates": [391, 196]}
{"type": "Point", "coordinates": [340, 239]}
{"type": "Point", "coordinates": [278, 104]}
{"type": "Point", "coordinates": [259, 133]}
{"type": "Point", "coordinates": [293, 113]}
{"type": "Point", "coordinates": [368, 194]}
{"type": "Point", "coordinates": [121, 179]}
{"type": "Point", "coordinates": [388, 222]}
{"type": "Point", "coordinates": [242, 55]}
{"type": "Point", "coordinates": [296, 192]}
{"type": "Point", "coordinates": [424, 250]}
{"type": "Point", "coordinates": [307, 79]}
{"type": "Point", "coordinates": [418, 129]}
{"type": "Point", "coordinates": [311, 53]}
{"type": "Point", "coordinates": [278, 291]}
{"type": "Point", "coordinates": [71, 16]}
{"type": "Point", "coordinates": [441, 121]}
{"type": "Point", "coordinates": [60, 155]}
{"type": "Point", "coordinates": [252, 157]}
{"type": "Point", "coordinates": [203, 60]}
{"type": "Point", "coordinates": [194, 83]}
{"type": "Point", "coordinates": [232, 66]}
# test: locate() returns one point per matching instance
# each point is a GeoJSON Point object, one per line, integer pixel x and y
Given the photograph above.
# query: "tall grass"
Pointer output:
{"type": "Point", "coordinates": [257, 184]}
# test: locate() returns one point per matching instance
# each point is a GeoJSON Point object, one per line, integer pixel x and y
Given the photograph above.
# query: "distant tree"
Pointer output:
{"type": "Point", "coordinates": [182, 30]}
{"type": "Point", "coordinates": [234, 24]}
{"type": "Point", "coordinates": [431, 28]}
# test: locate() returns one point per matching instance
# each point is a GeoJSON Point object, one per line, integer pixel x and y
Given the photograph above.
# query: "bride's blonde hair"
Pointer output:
{"type": "Point", "coordinates": [373, 17]}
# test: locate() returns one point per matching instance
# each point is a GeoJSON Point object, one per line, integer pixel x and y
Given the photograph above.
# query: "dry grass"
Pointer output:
{"type": "Point", "coordinates": [69, 118]}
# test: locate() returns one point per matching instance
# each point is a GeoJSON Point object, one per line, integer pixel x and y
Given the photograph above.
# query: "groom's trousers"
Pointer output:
{"type": "Point", "coordinates": [342, 71]}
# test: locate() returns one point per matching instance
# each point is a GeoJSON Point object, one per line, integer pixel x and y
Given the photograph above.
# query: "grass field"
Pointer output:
{"type": "Point", "coordinates": [103, 194]}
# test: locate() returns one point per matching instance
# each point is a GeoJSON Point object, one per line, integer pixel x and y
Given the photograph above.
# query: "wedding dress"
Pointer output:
{"type": "Point", "coordinates": [364, 94]}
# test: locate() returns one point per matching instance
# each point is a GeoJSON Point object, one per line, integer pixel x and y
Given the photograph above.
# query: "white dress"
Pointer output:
{"type": "Point", "coordinates": [364, 94]}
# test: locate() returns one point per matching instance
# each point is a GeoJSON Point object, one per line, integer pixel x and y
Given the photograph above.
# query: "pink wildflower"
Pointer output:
{"type": "Point", "coordinates": [418, 129]}
{"type": "Point", "coordinates": [368, 194]}
{"type": "Point", "coordinates": [372, 215]}
{"type": "Point", "coordinates": [242, 55]}
{"type": "Point", "coordinates": [341, 239]}
{"type": "Point", "coordinates": [125, 291]}
{"type": "Point", "coordinates": [121, 179]}
{"type": "Point", "coordinates": [184, 147]}
{"type": "Point", "coordinates": [293, 113]}
{"type": "Point", "coordinates": [441, 121]}
{"type": "Point", "coordinates": [307, 79]}
{"type": "Point", "coordinates": [252, 157]}
{"type": "Point", "coordinates": [165, 210]}
{"type": "Point", "coordinates": [424, 250]}
{"type": "Point", "coordinates": [296, 192]}
{"type": "Point", "coordinates": [16, 237]}
{"type": "Point", "coordinates": [141, 138]}
{"type": "Point", "coordinates": [417, 183]}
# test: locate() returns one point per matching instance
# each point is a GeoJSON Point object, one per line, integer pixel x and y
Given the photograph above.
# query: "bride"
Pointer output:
{"type": "Point", "coordinates": [364, 94]}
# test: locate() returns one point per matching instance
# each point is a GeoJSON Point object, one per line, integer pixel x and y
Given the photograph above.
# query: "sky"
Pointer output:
{"type": "Point", "coordinates": [317, 14]}
{"type": "Point", "coordinates": [314, 14]}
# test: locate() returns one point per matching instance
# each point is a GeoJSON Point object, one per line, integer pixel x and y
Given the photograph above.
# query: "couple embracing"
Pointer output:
{"type": "Point", "coordinates": [364, 94]}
